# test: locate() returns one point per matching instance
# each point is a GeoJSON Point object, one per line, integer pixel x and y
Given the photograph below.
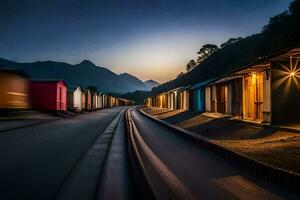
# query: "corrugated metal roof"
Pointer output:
{"type": "Point", "coordinates": [229, 78]}
{"type": "Point", "coordinates": [184, 88]}
{"type": "Point", "coordinates": [201, 84]}
{"type": "Point", "coordinates": [176, 89]}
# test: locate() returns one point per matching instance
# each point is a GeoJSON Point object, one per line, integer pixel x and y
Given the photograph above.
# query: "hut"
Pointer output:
{"type": "Point", "coordinates": [160, 100]}
{"type": "Point", "coordinates": [173, 99]}
{"type": "Point", "coordinates": [83, 104]}
{"type": "Point", "coordinates": [111, 101]}
{"type": "Point", "coordinates": [74, 98]}
{"type": "Point", "coordinates": [105, 101]}
{"type": "Point", "coordinates": [148, 102]}
{"type": "Point", "coordinates": [165, 100]}
{"type": "Point", "coordinates": [211, 98]}
{"type": "Point", "coordinates": [100, 101]}
{"type": "Point", "coordinates": [248, 93]}
{"type": "Point", "coordinates": [94, 99]}
{"type": "Point", "coordinates": [225, 95]}
{"type": "Point", "coordinates": [183, 98]}
{"type": "Point", "coordinates": [48, 94]}
{"type": "Point", "coordinates": [88, 100]}
{"type": "Point", "coordinates": [258, 91]}
{"type": "Point", "coordinates": [14, 90]}
{"type": "Point", "coordinates": [197, 96]}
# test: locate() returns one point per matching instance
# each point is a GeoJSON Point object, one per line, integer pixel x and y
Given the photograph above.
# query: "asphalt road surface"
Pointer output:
{"type": "Point", "coordinates": [86, 158]}
{"type": "Point", "coordinates": [65, 159]}
{"type": "Point", "coordinates": [193, 172]}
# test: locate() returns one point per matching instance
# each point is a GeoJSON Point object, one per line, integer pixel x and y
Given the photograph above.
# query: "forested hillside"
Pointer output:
{"type": "Point", "coordinates": [282, 32]}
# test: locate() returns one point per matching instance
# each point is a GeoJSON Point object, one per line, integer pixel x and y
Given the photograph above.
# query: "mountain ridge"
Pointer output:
{"type": "Point", "coordinates": [85, 73]}
{"type": "Point", "coordinates": [151, 84]}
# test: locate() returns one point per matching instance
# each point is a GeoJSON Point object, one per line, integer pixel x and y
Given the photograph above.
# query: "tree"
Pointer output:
{"type": "Point", "coordinates": [206, 51]}
{"type": "Point", "coordinates": [191, 65]}
{"type": "Point", "coordinates": [295, 8]}
{"type": "Point", "coordinates": [276, 22]}
{"type": "Point", "coordinates": [230, 42]}
{"type": "Point", "coordinates": [180, 74]}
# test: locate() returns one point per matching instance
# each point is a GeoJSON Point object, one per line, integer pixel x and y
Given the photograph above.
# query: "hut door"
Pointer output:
{"type": "Point", "coordinates": [221, 99]}
{"type": "Point", "coordinates": [237, 97]}
{"type": "Point", "coordinates": [254, 96]}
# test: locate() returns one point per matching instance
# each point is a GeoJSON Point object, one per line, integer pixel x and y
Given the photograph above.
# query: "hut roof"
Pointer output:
{"type": "Point", "coordinates": [72, 88]}
{"type": "Point", "coordinates": [15, 71]}
{"type": "Point", "coordinates": [201, 84]}
{"type": "Point", "coordinates": [49, 81]}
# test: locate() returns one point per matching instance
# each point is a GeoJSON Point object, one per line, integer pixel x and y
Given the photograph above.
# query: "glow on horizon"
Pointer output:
{"type": "Point", "coordinates": [159, 56]}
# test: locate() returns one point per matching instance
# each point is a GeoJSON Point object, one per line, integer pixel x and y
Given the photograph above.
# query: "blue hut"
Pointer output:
{"type": "Point", "coordinates": [198, 96]}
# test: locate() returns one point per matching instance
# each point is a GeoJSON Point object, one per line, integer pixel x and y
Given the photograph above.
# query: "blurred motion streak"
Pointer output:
{"type": "Point", "coordinates": [14, 90]}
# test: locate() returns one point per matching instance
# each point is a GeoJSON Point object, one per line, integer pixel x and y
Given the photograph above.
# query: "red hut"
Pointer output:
{"type": "Point", "coordinates": [48, 95]}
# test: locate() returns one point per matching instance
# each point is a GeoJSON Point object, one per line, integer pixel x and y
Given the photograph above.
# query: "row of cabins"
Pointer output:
{"type": "Point", "coordinates": [266, 91]}
{"type": "Point", "coordinates": [89, 99]}
{"type": "Point", "coordinates": [17, 92]}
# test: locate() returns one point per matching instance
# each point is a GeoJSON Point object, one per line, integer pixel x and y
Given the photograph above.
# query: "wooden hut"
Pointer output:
{"type": "Point", "coordinates": [74, 98]}
{"type": "Point", "coordinates": [48, 94]}
{"type": "Point", "coordinates": [197, 96]}
{"type": "Point", "coordinates": [111, 101]}
{"type": "Point", "coordinates": [105, 101]}
{"type": "Point", "coordinates": [108, 103]}
{"type": "Point", "coordinates": [94, 98]}
{"type": "Point", "coordinates": [183, 98]}
{"type": "Point", "coordinates": [100, 101]}
{"type": "Point", "coordinates": [249, 93]}
{"type": "Point", "coordinates": [265, 91]}
{"type": "Point", "coordinates": [88, 99]}
{"type": "Point", "coordinates": [148, 101]}
{"type": "Point", "coordinates": [173, 99]}
{"type": "Point", "coordinates": [226, 95]}
{"type": "Point", "coordinates": [14, 90]}
{"type": "Point", "coordinates": [83, 104]}
{"type": "Point", "coordinates": [211, 98]}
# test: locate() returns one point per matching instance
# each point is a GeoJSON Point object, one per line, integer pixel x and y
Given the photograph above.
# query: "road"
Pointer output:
{"type": "Point", "coordinates": [86, 158]}
{"type": "Point", "coordinates": [66, 159]}
{"type": "Point", "coordinates": [178, 168]}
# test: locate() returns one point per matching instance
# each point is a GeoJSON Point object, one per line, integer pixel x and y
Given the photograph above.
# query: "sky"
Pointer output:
{"type": "Point", "coordinates": [150, 39]}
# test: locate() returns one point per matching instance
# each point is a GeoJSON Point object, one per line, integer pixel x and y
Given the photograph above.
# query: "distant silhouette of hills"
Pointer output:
{"type": "Point", "coordinates": [151, 84]}
{"type": "Point", "coordinates": [85, 74]}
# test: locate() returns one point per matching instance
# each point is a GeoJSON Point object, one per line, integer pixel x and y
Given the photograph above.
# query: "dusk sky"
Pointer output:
{"type": "Point", "coordinates": [151, 39]}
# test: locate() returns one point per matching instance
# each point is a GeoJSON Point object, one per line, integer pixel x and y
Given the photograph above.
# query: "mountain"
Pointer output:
{"type": "Point", "coordinates": [138, 84]}
{"type": "Point", "coordinates": [151, 84]}
{"type": "Point", "coordinates": [85, 74]}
